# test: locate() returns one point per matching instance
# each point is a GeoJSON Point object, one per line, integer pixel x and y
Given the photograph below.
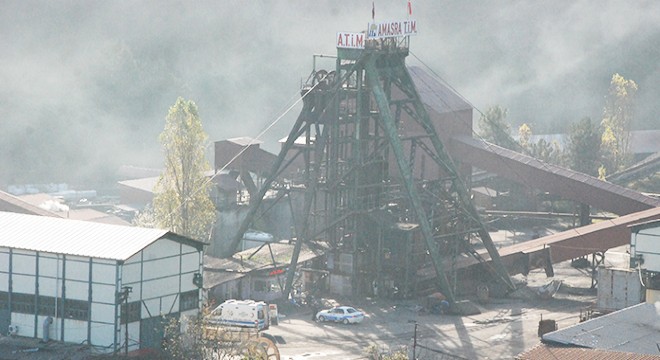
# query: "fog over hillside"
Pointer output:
{"type": "Point", "coordinates": [86, 85]}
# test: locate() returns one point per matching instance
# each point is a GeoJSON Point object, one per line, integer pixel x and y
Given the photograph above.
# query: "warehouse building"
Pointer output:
{"type": "Point", "coordinates": [108, 286]}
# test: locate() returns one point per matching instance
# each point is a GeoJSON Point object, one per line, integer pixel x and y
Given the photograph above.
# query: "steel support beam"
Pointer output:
{"type": "Point", "coordinates": [448, 165]}
{"type": "Point", "coordinates": [255, 202]}
{"type": "Point", "coordinates": [390, 128]}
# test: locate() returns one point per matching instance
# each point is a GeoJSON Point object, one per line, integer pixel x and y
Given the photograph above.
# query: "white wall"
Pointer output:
{"type": "Point", "coordinates": [158, 274]}
{"type": "Point", "coordinates": [4, 269]}
{"type": "Point", "coordinates": [54, 270]}
{"type": "Point", "coordinates": [646, 243]}
{"type": "Point", "coordinates": [25, 324]}
{"type": "Point", "coordinates": [103, 335]}
{"type": "Point", "coordinates": [74, 330]}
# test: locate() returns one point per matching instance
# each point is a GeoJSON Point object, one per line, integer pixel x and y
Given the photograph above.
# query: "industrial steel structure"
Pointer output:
{"type": "Point", "coordinates": [378, 185]}
{"type": "Point", "coordinates": [377, 178]}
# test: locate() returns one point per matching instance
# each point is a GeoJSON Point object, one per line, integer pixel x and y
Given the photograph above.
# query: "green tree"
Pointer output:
{"type": "Point", "coordinates": [524, 135]}
{"type": "Point", "coordinates": [618, 116]}
{"type": "Point", "coordinates": [495, 129]}
{"type": "Point", "coordinates": [372, 352]}
{"type": "Point", "coordinates": [145, 218]}
{"type": "Point", "coordinates": [182, 202]}
{"type": "Point", "coordinates": [549, 152]}
{"type": "Point", "coordinates": [192, 337]}
{"type": "Point", "coordinates": [583, 147]}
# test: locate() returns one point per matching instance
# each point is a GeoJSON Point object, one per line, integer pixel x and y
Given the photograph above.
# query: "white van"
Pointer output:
{"type": "Point", "coordinates": [243, 313]}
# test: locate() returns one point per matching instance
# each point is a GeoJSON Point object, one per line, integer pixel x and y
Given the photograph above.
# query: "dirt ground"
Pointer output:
{"type": "Point", "coordinates": [27, 348]}
{"type": "Point", "coordinates": [504, 328]}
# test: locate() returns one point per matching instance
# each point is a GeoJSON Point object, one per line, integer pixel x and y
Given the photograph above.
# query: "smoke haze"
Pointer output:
{"type": "Point", "coordinates": [86, 85]}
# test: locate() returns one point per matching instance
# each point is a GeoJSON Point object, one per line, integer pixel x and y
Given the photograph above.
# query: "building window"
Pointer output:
{"type": "Point", "coordinates": [261, 286]}
{"type": "Point", "coordinates": [189, 300]}
{"type": "Point", "coordinates": [46, 306]}
{"type": "Point", "coordinates": [22, 303]}
{"type": "Point", "coordinates": [134, 312]}
{"type": "Point", "coordinates": [264, 286]}
{"type": "Point", "coordinates": [76, 309]}
{"type": "Point", "coordinates": [4, 300]}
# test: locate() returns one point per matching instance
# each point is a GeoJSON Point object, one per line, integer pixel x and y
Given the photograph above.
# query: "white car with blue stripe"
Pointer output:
{"type": "Point", "coordinates": [342, 314]}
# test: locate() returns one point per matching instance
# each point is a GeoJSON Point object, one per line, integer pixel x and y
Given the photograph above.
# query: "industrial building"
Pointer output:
{"type": "Point", "coordinates": [108, 286]}
{"type": "Point", "coordinates": [387, 154]}
{"type": "Point", "coordinates": [645, 257]}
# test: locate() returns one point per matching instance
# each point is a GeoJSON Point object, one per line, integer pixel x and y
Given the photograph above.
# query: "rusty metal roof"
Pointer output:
{"type": "Point", "coordinates": [12, 203]}
{"type": "Point", "coordinates": [565, 245]}
{"type": "Point", "coordinates": [60, 209]}
{"type": "Point", "coordinates": [74, 237]}
{"type": "Point", "coordinates": [435, 94]}
{"type": "Point", "coordinates": [550, 352]}
{"type": "Point", "coordinates": [144, 184]}
{"type": "Point", "coordinates": [245, 141]}
{"type": "Point", "coordinates": [558, 180]}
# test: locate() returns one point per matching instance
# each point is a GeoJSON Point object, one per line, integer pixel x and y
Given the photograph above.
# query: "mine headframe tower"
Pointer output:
{"type": "Point", "coordinates": [378, 184]}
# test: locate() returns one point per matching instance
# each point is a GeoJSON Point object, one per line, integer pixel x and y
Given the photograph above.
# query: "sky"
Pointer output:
{"type": "Point", "coordinates": [86, 85]}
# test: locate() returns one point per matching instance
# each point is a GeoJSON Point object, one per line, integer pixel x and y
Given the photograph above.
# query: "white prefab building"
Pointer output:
{"type": "Point", "coordinates": [645, 256]}
{"type": "Point", "coordinates": [108, 286]}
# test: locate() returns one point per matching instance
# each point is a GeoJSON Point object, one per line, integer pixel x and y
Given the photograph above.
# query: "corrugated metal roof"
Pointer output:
{"type": "Point", "coordinates": [634, 329]}
{"type": "Point", "coordinates": [217, 270]}
{"type": "Point", "coordinates": [74, 237]}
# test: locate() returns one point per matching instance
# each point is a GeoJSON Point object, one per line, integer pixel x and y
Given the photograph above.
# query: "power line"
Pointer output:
{"type": "Point", "coordinates": [264, 131]}
{"type": "Point", "coordinates": [245, 147]}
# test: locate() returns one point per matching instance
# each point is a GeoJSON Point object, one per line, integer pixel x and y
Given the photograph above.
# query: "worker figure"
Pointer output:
{"type": "Point", "coordinates": [315, 307]}
{"type": "Point", "coordinates": [444, 307]}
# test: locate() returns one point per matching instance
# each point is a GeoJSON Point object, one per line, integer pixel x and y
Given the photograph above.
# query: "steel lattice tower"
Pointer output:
{"type": "Point", "coordinates": [377, 181]}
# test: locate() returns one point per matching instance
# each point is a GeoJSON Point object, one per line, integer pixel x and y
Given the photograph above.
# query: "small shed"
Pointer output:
{"type": "Point", "coordinates": [260, 273]}
{"type": "Point", "coordinates": [109, 286]}
{"type": "Point", "coordinates": [618, 288]}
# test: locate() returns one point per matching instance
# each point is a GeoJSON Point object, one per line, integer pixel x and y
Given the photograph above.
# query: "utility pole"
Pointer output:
{"type": "Point", "coordinates": [414, 354]}
{"type": "Point", "coordinates": [415, 343]}
{"type": "Point", "coordinates": [124, 298]}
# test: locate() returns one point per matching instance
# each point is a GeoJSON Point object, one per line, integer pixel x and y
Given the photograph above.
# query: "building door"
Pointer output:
{"type": "Point", "coordinates": [5, 321]}
{"type": "Point", "coordinates": [152, 331]}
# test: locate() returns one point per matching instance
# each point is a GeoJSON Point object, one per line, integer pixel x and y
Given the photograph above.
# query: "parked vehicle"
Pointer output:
{"type": "Point", "coordinates": [343, 314]}
{"type": "Point", "coordinates": [241, 313]}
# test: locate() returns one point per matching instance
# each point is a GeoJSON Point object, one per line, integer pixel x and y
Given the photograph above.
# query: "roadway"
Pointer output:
{"type": "Point", "coordinates": [505, 327]}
